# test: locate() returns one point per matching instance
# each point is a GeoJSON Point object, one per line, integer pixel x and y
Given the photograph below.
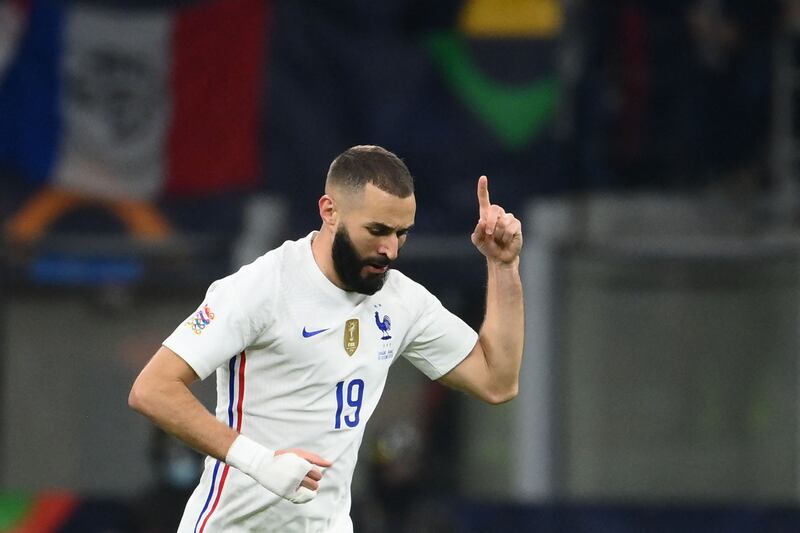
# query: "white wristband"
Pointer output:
{"type": "Point", "coordinates": [246, 454]}
{"type": "Point", "coordinates": [281, 474]}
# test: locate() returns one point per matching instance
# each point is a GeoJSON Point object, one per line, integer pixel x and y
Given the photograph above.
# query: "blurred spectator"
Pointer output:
{"type": "Point", "coordinates": [13, 14]}
{"type": "Point", "coordinates": [677, 95]}
{"type": "Point", "coordinates": [176, 469]}
{"type": "Point", "coordinates": [413, 472]}
{"type": "Point", "coordinates": [729, 87]}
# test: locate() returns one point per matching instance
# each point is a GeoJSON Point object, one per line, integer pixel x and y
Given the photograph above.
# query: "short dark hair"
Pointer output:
{"type": "Point", "coordinates": [359, 165]}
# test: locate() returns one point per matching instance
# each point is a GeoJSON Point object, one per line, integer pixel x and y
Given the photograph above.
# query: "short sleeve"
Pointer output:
{"type": "Point", "coordinates": [214, 333]}
{"type": "Point", "coordinates": [439, 340]}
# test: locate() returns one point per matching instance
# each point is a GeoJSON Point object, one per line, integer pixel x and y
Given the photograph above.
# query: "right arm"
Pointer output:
{"type": "Point", "coordinates": [161, 393]}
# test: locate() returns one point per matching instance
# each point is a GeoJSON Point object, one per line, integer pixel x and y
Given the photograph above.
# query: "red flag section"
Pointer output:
{"type": "Point", "coordinates": [217, 86]}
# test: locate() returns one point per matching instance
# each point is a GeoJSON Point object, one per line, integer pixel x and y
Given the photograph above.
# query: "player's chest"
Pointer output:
{"type": "Point", "coordinates": [365, 337]}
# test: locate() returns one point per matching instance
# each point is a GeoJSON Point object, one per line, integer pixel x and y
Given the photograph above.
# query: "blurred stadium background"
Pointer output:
{"type": "Point", "coordinates": [651, 148]}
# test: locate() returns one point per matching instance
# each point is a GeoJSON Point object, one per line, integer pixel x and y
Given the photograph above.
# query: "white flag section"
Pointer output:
{"type": "Point", "coordinates": [116, 102]}
{"type": "Point", "coordinates": [12, 22]}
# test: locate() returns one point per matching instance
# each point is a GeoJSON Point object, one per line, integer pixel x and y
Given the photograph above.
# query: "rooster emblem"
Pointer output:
{"type": "Point", "coordinates": [384, 325]}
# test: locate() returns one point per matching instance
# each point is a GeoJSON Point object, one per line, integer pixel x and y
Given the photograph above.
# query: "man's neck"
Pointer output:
{"type": "Point", "coordinates": [321, 248]}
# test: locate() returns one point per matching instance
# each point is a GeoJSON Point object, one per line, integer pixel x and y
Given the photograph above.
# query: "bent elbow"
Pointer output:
{"type": "Point", "coordinates": [134, 401]}
{"type": "Point", "coordinates": [137, 398]}
{"type": "Point", "coordinates": [501, 396]}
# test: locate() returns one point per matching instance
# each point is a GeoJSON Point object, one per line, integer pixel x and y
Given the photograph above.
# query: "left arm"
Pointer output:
{"type": "Point", "coordinates": [491, 370]}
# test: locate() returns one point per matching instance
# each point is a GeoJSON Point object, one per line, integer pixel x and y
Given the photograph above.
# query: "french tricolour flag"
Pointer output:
{"type": "Point", "coordinates": [132, 103]}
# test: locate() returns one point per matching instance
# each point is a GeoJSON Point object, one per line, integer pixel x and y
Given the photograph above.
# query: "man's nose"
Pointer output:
{"type": "Point", "coordinates": [389, 246]}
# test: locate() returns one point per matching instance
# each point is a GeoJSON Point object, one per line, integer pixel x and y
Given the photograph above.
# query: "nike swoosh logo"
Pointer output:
{"type": "Point", "coordinates": [308, 334]}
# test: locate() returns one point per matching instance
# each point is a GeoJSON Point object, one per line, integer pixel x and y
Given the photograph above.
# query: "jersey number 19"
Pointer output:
{"type": "Point", "coordinates": [355, 394]}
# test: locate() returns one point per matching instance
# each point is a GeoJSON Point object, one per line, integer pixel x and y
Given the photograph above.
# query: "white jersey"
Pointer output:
{"type": "Point", "coordinates": [301, 363]}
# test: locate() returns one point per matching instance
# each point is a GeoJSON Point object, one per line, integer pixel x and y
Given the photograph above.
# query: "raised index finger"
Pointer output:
{"type": "Point", "coordinates": [483, 196]}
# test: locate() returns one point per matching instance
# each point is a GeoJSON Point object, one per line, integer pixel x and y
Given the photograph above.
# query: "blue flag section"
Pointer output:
{"type": "Point", "coordinates": [30, 123]}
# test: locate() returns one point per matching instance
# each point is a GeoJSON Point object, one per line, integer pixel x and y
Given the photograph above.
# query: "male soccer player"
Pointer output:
{"type": "Point", "coordinates": [301, 341]}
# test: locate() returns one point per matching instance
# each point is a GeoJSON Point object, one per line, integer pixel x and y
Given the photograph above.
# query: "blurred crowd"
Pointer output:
{"type": "Point", "coordinates": [553, 98]}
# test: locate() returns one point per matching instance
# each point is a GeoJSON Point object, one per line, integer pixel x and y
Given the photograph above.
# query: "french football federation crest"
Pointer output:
{"type": "Point", "coordinates": [351, 336]}
{"type": "Point", "coordinates": [383, 326]}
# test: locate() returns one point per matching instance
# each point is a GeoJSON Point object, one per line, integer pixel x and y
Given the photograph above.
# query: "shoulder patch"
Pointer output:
{"type": "Point", "coordinates": [200, 319]}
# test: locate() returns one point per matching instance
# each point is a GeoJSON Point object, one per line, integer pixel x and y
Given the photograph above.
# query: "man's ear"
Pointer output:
{"type": "Point", "coordinates": [328, 211]}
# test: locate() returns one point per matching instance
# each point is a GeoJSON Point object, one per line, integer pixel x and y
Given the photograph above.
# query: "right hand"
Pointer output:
{"type": "Point", "coordinates": [498, 235]}
{"type": "Point", "coordinates": [314, 475]}
{"type": "Point", "coordinates": [290, 474]}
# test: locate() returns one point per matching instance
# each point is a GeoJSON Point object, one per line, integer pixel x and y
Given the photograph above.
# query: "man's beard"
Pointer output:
{"type": "Point", "coordinates": [348, 265]}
